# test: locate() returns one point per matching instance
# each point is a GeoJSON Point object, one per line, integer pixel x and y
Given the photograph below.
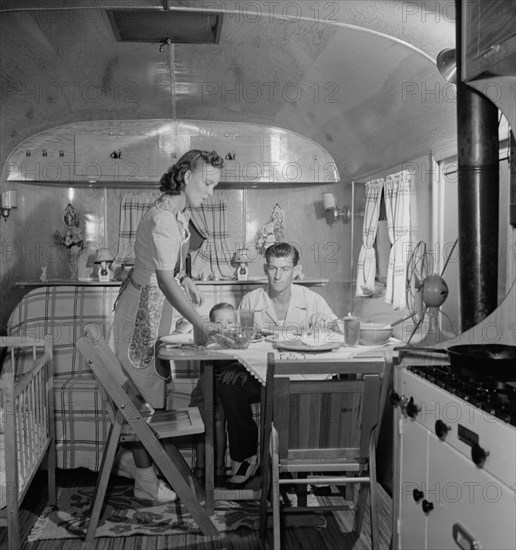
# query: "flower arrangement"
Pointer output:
{"type": "Point", "coordinates": [73, 236]}
{"type": "Point", "coordinates": [272, 231]}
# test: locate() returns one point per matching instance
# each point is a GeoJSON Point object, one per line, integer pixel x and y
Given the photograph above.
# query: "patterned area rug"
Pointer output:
{"type": "Point", "coordinates": [124, 516]}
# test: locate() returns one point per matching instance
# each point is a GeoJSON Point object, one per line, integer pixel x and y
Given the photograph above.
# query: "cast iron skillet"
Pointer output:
{"type": "Point", "coordinates": [496, 361]}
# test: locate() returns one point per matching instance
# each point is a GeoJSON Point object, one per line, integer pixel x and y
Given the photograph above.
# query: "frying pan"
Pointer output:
{"type": "Point", "coordinates": [496, 361]}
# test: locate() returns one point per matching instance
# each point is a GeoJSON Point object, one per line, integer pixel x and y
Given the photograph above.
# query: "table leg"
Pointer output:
{"type": "Point", "coordinates": [209, 415]}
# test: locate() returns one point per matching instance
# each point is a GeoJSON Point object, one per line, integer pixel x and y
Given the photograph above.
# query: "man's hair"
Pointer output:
{"type": "Point", "coordinates": [218, 307]}
{"type": "Point", "coordinates": [282, 250]}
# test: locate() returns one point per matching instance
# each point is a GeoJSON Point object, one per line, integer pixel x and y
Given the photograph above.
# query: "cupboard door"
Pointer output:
{"type": "Point", "coordinates": [489, 38]}
{"type": "Point", "coordinates": [116, 158]}
{"type": "Point", "coordinates": [468, 503]}
{"type": "Point", "coordinates": [246, 158]}
{"type": "Point", "coordinates": [414, 456]}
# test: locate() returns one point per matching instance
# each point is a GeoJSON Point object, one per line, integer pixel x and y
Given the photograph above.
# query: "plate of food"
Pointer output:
{"type": "Point", "coordinates": [294, 345]}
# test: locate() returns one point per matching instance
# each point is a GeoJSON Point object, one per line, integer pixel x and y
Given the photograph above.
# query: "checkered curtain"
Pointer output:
{"type": "Point", "coordinates": [213, 257]}
{"type": "Point", "coordinates": [132, 208]}
{"type": "Point", "coordinates": [397, 192]}
{"type": "Point", "coordinates": [366, 266]}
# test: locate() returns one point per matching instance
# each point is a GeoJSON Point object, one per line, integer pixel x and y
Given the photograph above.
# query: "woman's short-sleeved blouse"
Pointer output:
{"type": "Point", "coordinates": [159, 238]}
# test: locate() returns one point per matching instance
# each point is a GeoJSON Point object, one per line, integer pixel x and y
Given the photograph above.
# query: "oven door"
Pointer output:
{"type": "Point", "coordinates": [469, 505]}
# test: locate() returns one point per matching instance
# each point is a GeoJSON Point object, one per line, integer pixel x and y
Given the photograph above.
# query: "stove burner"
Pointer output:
{"type": "Point", "coordinates": [493, 396]}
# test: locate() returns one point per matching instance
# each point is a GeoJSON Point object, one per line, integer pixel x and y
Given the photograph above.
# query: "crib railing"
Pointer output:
{"type": "Point", "coordinates": [27, 399]}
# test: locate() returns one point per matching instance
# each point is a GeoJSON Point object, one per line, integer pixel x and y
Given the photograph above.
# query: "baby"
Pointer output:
{"type": "Point", "coordinates": [225, 316]}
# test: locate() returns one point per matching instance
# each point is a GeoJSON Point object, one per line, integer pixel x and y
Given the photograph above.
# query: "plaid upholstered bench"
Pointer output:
{"type": "Point", "coordinates": [59, 313]}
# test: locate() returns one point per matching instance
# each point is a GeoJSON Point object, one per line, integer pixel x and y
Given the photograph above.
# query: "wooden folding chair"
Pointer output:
{"type": "Point", "coordinates": [318, 424]}
{"type": "Point", "coordinates": [132, 421]}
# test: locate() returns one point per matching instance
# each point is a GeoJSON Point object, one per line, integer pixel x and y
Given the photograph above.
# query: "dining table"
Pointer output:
{"type": "Point", "coordinates": [180, 347]}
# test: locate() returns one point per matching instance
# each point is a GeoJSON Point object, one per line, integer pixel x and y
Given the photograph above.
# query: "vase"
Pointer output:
{"type": "Point", "coordinates": [73, 261]}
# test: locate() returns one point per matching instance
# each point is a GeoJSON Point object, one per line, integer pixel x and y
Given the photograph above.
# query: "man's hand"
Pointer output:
{"type": "Point", "coordinates": [192, 291]}
{"type": "Point", "coordinates": [232, 375]}
{"type": "Point", "coordinates": [320, 320]}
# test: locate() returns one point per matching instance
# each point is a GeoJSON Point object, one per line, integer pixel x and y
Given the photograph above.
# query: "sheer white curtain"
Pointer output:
{"type": "Point", "coordinates": [366, 266]}
{"type": "Point", "coordinates": [397, 193]}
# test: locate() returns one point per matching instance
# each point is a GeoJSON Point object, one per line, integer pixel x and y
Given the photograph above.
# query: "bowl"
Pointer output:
{"type": "Point", "coordinates": [234, 338]}
{"type": "Point", "coordinates": [374, 334]}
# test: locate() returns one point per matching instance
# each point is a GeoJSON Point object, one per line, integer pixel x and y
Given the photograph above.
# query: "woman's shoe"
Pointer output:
{"type": "Point", "coordinates": [164, 493]}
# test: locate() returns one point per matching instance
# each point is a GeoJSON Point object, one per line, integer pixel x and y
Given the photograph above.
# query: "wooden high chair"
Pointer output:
{"type": "Point", "coordinates": [132, 421]}
{"type": "Point", "coordinates": [313, 423]}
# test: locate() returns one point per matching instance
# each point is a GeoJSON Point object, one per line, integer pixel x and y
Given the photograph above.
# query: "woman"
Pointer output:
{"type": "Point", "coordinates": [152, 291]}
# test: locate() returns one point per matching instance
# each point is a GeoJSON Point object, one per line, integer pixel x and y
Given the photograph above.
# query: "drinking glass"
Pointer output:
{"type": "Point", "coordinates": [351, 331]}
{"type": "Point", "coordinates": [247, 323]}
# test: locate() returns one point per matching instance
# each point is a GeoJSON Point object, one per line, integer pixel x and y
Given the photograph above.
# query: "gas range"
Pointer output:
{"type": "Point", "coordinates": [474, 416]}
{"type": "Point", "coordinates": [492, 396]}
{"type": "Point", "coordinates": [456, 459]}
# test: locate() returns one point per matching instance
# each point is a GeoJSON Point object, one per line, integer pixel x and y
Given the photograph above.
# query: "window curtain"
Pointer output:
{"type": "Point", "coordinates": [397, 193]}
{"type": "Point", "coordinates": [213, 259]}
{"type": "Point", "coordinates": [132, 208]}
{"type": "Point", "coordinates": [366, 266]}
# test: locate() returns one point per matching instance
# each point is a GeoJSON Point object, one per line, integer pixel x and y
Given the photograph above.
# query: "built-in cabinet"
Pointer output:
{"type": "Point", "coordinates": [489, 38]}
{"type": "Point", "coordinates": [489, 51]}
{"type": "Point", "coordinates": [116, 157]}
{"type": "Point", "coordinates": [138, 152]}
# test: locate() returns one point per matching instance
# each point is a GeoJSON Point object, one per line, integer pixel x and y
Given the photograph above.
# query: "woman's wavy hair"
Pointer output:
{"type": "Point", "coordinates": [173, 180]}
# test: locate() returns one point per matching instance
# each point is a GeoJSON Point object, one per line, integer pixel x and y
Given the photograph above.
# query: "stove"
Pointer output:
{"type": "Point", "coordinates": [492, 396]}
{"type": "Point", "coordinates": [456, 459]}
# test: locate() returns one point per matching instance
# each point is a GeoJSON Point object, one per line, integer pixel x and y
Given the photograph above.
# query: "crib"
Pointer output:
{"type": "Point", "coordinates": [26, 426]}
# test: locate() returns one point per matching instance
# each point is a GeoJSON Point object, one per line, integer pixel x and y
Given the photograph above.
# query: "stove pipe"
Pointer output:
{"type": "Point", "coordinates": [478, 198]}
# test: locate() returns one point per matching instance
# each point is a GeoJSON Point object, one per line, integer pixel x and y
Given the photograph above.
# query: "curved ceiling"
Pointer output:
{"type": "Point", "coordinates": [358, 77]}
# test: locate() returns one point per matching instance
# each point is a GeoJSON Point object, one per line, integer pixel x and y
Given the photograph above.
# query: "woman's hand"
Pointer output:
{"type": "Point", "coordinates": [201, 335]}
{"type": "Point", "coordinates": [192, 291]}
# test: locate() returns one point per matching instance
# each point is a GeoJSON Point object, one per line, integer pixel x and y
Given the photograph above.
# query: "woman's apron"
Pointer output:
{"type": "Point", "coordinates": [142, 315]}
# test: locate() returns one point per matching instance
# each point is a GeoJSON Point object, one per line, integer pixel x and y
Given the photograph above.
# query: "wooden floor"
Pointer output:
{"type": "Point", "coordinates": [333, 537]}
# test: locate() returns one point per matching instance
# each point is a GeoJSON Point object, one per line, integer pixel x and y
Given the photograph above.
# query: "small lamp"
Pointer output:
{"type": "Point", "coordinates": [104, 257]}
{"type": "Point", "coordinates": [9, 201]}
{"type": "Point", "coordinates": [242, 259]}
{"type": "Point", "coordinates": [330, 205]}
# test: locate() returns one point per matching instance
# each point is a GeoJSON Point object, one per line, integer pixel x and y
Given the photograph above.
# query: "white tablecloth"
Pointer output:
{"type": "Point", "coordinates": [254, 358]}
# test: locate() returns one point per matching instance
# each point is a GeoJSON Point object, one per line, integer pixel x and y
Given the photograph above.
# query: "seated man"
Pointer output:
{"type": "Point", "coordinates": [280, 304]}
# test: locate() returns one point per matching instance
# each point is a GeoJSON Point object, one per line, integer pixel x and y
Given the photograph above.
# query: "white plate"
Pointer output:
{"type": "Point", "coordinates": [177, 338]}
{"type": "Point", "coordinates": [299, 346]}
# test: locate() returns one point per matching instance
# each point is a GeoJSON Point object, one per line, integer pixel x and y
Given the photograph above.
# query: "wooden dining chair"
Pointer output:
{"type": "Point", "coordinates": [132, 421]}
{"type": "Point", "coordinates": [320, 424]}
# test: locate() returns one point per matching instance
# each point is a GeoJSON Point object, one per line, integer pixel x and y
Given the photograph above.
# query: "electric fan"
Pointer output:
{"type": "Point", "coordinates": [425, 293]}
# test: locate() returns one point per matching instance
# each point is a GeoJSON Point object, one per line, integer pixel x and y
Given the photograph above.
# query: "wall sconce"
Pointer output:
{"type": "Point", "coordinates": [331, 206]}
{"type": "Point", "coordinates": [9, 201]}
